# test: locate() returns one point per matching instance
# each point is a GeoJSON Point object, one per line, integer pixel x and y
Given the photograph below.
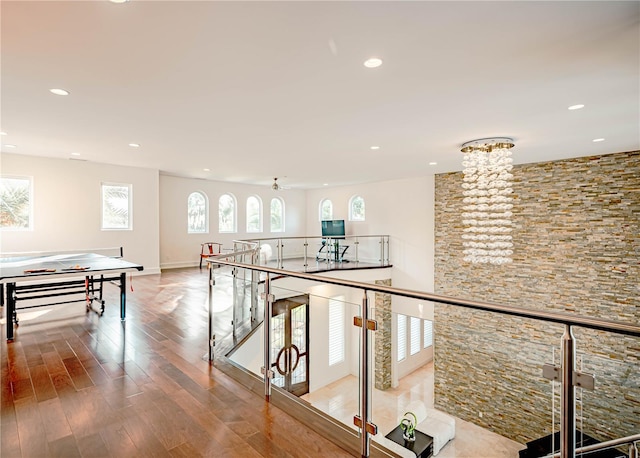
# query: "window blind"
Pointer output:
{"type": "Point", "coordinates": [402, 337]}
{"type": "Point", "coordinates": [336, 330]}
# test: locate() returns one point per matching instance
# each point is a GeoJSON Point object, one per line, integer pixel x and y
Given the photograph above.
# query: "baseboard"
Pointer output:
{"type": "Point", "coordinates": [152, 271]}
{"type": "Point", "coordinates": [179, 265]}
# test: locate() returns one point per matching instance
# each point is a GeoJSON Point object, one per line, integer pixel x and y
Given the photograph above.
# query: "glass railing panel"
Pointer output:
{"type": "Point", "coordinates": [292, 253]}
{"type": "Point", "coordinates": [315, 349]}
{"type": "Point", "coordinates": [611, 409]}
{"type": "Point", "coordinates": [368, 250]}
{"type": "Point", "coordinates": [464, 398]}
{"type": "Point", "coordinates": [236, 310]}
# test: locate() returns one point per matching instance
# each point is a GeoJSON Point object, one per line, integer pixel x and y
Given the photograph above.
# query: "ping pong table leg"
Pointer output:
{"type": "Point", "coordinates": [11, 309]}
{"type": "Point", "coordinates": [123, 296]}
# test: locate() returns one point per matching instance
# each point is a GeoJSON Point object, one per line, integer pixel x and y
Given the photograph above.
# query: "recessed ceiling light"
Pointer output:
{"type": "Point", "coordinates": [9, 146]}
{"type": "Point", "coordinates": [134, 145]}
{"type": "Point", "coordinates": [375, 147]}
{"type": "Point", "coordinates": [3, 133]}
{"type": "Point", "coordinates": [59, 91]}
{"type": "Point", "coordinates": [75, 154]}
{"type": "Point", "coordinates": [433, 163]}
{"type": "Point", "coordinates": [373, 62]}
{"type": "Point", "coordinates": [206, 170]}
{"type": "Point", "coordinates": [118, 1]}
{"type": "Point", "coordinates": [595, 140]}
{"type": "Point", "coordinates": [325, 184]}
{"type": "Point", "coordinates": [576, 107]}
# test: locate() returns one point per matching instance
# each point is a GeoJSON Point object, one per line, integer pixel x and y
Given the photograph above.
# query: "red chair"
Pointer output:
{"type": "Point", "coordinates": [209, 249]}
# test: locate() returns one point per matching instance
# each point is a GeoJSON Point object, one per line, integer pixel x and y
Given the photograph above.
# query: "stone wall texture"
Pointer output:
{"type": "Point", "coordinates": [382, 314]}
{"type": "Point", "coordinates": [576, 250]}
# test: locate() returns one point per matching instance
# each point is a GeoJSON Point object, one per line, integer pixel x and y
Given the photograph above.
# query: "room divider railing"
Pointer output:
{"type": "Point", "coordinates": [266, 284]}
{"type": "Point", "coordinates": [310, 253]}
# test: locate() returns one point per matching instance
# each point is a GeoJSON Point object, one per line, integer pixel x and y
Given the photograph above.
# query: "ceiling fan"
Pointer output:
{"type": "Point", "coordinates": [277, 186]}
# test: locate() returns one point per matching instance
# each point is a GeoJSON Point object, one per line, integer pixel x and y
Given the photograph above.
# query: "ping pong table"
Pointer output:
{"type": "Point", "coordinates": [40, 278]}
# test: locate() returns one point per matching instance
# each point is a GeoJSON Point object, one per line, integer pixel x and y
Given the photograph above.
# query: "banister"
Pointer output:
{"type": "Point", "coordinates": [602, 445]}
{"type": "Point", "coordinates": [618, 327]}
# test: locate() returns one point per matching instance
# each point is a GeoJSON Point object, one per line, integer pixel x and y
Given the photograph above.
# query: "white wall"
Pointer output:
{"type": "Point", "coordinates": [404, 210]}
{"type": "Point", "coordinates": [178, 248]}
{"type": "Point", "coordinates": [67, 208]}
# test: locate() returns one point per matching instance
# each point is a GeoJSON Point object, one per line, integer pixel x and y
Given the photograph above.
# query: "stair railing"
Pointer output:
{"type": "Point", "coordinates": [632, 441]}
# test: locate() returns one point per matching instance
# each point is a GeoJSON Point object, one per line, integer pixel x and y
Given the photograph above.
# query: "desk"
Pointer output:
{"type": "Point", "coordinates": [332, 250]}
{"type": "Point", "coordinates": [422, 446]}
{"type": "Point", "coordinates": [54, 275]}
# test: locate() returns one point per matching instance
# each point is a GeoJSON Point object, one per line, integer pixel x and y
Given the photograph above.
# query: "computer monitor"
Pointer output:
{"type": "Point", "coordinates": [333, 228]}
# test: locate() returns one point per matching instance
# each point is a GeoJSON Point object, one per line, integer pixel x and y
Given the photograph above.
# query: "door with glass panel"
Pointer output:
{"type": "Point", "coordinates": [290, 343]}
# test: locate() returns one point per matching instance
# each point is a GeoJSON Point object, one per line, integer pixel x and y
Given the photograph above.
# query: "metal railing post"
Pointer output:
{"type": "Point", "coordinates": [568, 396]}
{"type": "Point", "coordinates": [268, 307]}
{"type": "Point", "coordinates": [255, 277]}
{"type": "Point", "coordinates": [306, 245]}
{"type": "Point", "coordinates": [356, 243]}
{"type": "Point", "coordinates": [365, 401]}
{"type": "Point", "coordinates": [234, 301]}
{"type": "Point", "coordinates": [388, 260]}
{"type": "Point", "coordinates": [212, 338]}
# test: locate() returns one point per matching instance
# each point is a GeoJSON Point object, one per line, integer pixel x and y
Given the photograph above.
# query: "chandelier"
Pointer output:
{"type": "Point", "coordinates": [487, 200]}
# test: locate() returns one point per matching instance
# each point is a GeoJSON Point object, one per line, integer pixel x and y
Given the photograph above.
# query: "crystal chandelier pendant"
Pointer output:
{"type": "Point", "coordinates": [488, 204]}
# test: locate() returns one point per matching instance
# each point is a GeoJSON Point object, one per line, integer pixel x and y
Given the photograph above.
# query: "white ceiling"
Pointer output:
{"type": "Point", "coordinates": [254, 90]}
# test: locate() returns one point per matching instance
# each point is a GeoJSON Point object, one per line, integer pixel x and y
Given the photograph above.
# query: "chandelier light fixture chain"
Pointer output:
{"type": "Point", "coordinates": [488, 204]}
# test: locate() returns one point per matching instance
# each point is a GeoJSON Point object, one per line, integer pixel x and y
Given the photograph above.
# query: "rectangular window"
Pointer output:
{"type": "Point", "coordinates": [336, 330]}
{"type": "Point", "coordinates": [414, 344]}
{"type": "Point", "coordinates": [428, 333]}
{"type": "Point", "coordinates": [402, 337]}
{"type": "Point", "coordinates": [15, 203]}
{"type": "Point", "coordinates": [116, 206]}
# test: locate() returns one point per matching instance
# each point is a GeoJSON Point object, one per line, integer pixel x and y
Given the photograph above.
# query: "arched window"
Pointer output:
{"type": "Point", "coordinates": [356, 209]}
{"type": "Point", "coordinates": [326, 210]}
{"type": "Point", "coordinates": [227, 213]}
{"type": "Point", "coordinates": [197, 213]}
{"type": "Point", "coordinates": [254, 214]}
{"type": "Point", "coordinates": [277, 215]}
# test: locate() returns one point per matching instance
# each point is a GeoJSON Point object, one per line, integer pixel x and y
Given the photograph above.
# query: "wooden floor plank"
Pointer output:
{"type": "Point", "coordinates": [54, 420]}
{"type": "Point", "coordinates": [42, 384]}
{"type": "Point", "coordinates": [95, 387]}
{"type": "Point", "coordinates": [93, 446]}
{"type": "Point", "coordinates": [65, 447]}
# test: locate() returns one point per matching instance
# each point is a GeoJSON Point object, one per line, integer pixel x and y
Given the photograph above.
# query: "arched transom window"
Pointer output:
{"type": "Point", "coordinates": [254, 214]}
{"type": "Point", "coordinates": [356, 208]}
{"type": "Point", "coordinates": [277, 215]}
{"type": "Point", "coordinates": [227, 213]}
{"type": "Point", "coordinates": [197, 213]}
{"type": "Point", "coordinates": [326, 209]}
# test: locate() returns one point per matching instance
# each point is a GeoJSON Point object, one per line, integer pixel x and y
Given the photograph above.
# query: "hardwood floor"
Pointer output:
{"type": "Point", "coordinates": [75, 384]}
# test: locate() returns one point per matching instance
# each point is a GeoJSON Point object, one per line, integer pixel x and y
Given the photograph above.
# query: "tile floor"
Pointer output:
{"type": "Point", "coordinates": [340, 400]}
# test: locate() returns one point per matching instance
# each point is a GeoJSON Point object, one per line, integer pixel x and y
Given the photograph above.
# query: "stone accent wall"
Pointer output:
{"type": "Point", "coordinates": [576, 250]}
{"type": "Point", "coordinates": [382, 314]}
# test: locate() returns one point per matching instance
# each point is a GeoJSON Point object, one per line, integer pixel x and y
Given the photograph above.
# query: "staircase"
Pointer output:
{"type": "Point", "coordinates": [542, 447]}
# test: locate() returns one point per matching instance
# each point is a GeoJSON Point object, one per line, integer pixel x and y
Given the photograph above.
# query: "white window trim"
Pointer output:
{"type": "Point", "coordinates": [321, 218]}
{"type": "Point", "coordinates": [206, 213]}
{"type": "Point", "coordinates": [260, 225]}
{"type": "Point", "coordinates": [31, 204]}
{"type": "Point", "coordinates": [351, 217]}
{"type": "Point", "coordinates": [234, 222]}
{"type": "Point", "coordinates": [282, 215]}
{"type": "Point", "coordinates": [129, 186]}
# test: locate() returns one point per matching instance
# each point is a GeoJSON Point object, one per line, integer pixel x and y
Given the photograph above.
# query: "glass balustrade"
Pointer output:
{"type": "Point", "coordinates": [335, 345]}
